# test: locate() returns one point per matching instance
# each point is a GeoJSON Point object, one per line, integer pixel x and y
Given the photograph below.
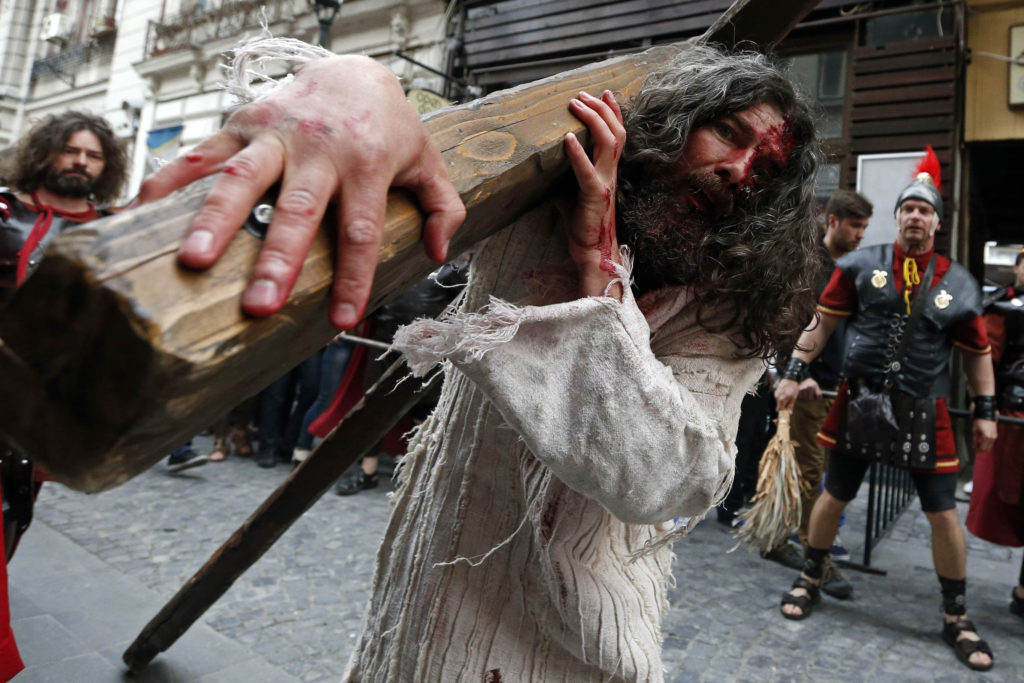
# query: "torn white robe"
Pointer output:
{"type": "Point", "coordinates": [552, 460]}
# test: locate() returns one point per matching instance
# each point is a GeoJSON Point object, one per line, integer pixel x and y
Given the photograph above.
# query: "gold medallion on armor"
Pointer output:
{"type": "Point", "coordinates": [878, 279]}
{"type": "Point", "coordinates": [943, 299]}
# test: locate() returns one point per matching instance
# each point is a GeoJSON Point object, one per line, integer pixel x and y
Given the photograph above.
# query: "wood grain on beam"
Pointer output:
{"type": "Point", "coordinates": [121, 355]}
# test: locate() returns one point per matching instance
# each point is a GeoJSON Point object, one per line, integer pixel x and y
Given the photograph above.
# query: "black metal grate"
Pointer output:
{"type": "Point", "coordinates": [890, 491]}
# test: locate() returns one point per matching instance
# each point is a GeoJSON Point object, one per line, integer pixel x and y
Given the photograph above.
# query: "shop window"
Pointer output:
{"type": "Point", "coordinates": [935, 22]}
{"type": "Point", "coordinates": [826, 183]}
{"type": "Point", "coordinates": [822, 75]}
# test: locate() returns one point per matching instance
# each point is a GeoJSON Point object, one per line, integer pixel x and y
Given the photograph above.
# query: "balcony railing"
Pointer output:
{"type": "Point", "coordinates": [195, 27]}
{"type": "Point", "coordinates": [65, 64]}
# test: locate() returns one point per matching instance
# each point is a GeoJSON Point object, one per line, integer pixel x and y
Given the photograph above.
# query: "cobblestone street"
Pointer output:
{"type": "Point", "coordinates": [94, 569]}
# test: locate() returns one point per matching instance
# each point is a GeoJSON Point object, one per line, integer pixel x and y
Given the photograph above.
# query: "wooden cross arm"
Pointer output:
{"type": "Point", "coordinates": [112, 355]}
{"type": "Point", "coordinates": [121, 355]}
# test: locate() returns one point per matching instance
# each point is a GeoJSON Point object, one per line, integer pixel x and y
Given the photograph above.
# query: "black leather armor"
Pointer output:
{"type": "Point", "coordinates": [876, 327]}
{"type": "Point", "coordinates": [16, 223]}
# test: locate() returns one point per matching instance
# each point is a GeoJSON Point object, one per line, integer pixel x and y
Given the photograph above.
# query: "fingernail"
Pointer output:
{"type": "Point", "coordinates": [199, 241]}
{"type": "Point", "coordinates": [261, 293]}
{"type": "Point", "coordinates": [344, 315]}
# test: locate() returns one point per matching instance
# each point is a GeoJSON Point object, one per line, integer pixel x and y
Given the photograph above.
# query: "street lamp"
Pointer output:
{"type": "Point", "coordinates": [325, 10]}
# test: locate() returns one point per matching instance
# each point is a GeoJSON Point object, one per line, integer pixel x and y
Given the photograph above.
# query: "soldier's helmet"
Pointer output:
{"type": "Point", "coordinates": [926, 185]}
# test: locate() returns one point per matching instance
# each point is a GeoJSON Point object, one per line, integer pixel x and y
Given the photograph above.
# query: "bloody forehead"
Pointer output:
{"type": "Point", "coordinates": [777, 143]}
{"type": "Point", "coordinates": [772, 151]}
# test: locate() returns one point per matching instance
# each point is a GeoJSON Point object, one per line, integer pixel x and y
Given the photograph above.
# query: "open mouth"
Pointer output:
{"type": "Point", "coordinates": [698, 200]}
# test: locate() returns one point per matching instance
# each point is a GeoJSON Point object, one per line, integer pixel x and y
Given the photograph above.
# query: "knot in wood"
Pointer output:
{"type": "Point", "coordinates": [491, 146]}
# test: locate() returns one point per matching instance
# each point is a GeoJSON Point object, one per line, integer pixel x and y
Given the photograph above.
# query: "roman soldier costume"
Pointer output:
{"type": "Point", "coordinates": [894, 349]}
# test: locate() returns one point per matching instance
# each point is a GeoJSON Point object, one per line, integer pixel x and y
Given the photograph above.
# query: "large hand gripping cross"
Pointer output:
{"type": "Point", "coordinates": [111, 355]}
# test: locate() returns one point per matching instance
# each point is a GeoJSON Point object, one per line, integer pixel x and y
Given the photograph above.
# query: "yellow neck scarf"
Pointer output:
{"type": "Point", "coordinates": [911, 278]}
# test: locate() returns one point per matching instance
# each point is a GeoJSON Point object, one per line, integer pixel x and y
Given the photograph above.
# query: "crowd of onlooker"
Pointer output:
{"type": "Point", "coordinates": [278, 426]}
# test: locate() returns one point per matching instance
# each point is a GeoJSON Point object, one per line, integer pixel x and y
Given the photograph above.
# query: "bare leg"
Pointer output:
{"type": "Point", "coordinates": [825, 520]}
{"type": "Point", "coordinates": [949, 547]}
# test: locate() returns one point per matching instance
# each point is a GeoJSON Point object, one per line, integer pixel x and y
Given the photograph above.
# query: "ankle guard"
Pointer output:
{"type": "Point", "coordinates": [954, 602]}
{"type": "Point", "coordinates": [814, 561]}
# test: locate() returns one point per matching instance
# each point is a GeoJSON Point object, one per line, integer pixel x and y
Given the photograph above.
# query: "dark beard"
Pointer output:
{"type": "Point", "coordinates": [664, 233]}
{"type": "Point", "coordinates": [64, 184]}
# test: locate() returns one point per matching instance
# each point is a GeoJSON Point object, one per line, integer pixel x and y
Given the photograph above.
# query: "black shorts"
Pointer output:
{"type": "Point", "coordinates": [936, 490]}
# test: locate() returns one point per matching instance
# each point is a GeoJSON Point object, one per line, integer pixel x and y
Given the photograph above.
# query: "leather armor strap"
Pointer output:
{"type": "Point", "coordinates": [984, 407]}
{"type": "Point", "coordinates": [796, 370]}
{"type": "Point", "coordinates": [916, 308]}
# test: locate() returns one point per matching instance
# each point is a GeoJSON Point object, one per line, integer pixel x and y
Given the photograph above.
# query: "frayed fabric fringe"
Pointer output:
{"type": "Point", "coordinates": [468, 336]}
{"type": "Point", "coordinates": [246, 74]}
{"type": "Point", "coordinates": [465, 336]}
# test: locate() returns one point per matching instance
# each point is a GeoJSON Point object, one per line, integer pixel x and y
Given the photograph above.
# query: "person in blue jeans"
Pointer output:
{"type": "Point", "coordinates": [185, 457]}
{"type": "Point", "coordinates": [334, 359]}
{"type": "Point", "coordinates": [283, 406]}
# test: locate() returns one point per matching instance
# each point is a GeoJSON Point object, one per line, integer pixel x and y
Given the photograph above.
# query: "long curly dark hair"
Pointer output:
{"type": "Point", "coordinates": [754, 267]}
{"type": "Point", "coordinates": [41, 146]}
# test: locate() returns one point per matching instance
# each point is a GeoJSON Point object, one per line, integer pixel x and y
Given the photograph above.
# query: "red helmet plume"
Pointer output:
{"type": "Point", "coordinates": [929, 166]}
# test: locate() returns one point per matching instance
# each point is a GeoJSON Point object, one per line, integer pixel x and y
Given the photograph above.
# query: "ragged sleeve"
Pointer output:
{"type": "Point", "coordinates": [649, 438]}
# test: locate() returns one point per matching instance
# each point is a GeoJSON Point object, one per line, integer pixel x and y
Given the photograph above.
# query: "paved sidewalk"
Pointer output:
{"type": "Point", "coordinates": [94, 569]}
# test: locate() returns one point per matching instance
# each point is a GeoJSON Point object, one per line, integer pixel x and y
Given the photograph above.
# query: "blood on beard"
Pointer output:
{"type": "Point", "coordinates": [664, 220]}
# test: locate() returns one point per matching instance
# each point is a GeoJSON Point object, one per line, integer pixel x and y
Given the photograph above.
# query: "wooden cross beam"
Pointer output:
{"type": "Point", "coordinates": [112, 355]}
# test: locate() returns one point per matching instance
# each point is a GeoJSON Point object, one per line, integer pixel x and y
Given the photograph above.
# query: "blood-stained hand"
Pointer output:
{"type": "Point", "coordinates": [341, 131]}
{"type": "Point", "coordinates": [592, 241]}
{"type": "Point", "coordinates": [984, 433]}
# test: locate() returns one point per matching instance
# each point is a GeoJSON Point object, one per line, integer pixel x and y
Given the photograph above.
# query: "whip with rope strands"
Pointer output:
{"type": "Point", "coordinates": [775, 509]}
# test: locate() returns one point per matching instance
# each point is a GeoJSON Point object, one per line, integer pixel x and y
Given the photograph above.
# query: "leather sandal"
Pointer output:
{"type": "Point", "coordinates": [804, 602]}
{"type": "Point", "coordinates": [964, 647]}
{"type": "Point", "coordinates": [241, 442]}
{"type": "Point", "coordinates": [356, 482]}
{"type": "Point", "coordinates": [220, 450]}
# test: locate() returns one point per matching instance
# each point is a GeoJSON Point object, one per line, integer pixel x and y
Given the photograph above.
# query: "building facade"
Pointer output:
{"type": "Point", "coordinates": [152, 67]}
{"type": "Point", "coordinates": [890, 76]}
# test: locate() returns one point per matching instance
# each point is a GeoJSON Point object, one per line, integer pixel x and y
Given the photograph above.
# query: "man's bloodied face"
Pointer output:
{"type": "Point", "coordinates": [723, 165]}
{"type": "Point", "coordinates": [77, 167]}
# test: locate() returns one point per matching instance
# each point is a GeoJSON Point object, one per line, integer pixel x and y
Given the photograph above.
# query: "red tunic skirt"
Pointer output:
{"type": "Point", "coordinates": [989, 517]}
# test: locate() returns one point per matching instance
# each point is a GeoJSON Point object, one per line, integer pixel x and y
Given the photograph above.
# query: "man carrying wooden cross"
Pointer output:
{"type": "Point", "coordinates": [580, 414]}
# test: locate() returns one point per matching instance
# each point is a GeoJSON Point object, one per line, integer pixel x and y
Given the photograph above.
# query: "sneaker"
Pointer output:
{"type": "Point", "coordinates": [838, 551]}
{"type": "Point", "coordinates": [356, 482]}
{"type": "Point", "coordinates": [299, 456]}
{"type": "Point", "coordinates": [835, 584]}
{"type": "Point", "coordinates": [787, 555]}
{"type": "Point", "coordinates": [185, 460]}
